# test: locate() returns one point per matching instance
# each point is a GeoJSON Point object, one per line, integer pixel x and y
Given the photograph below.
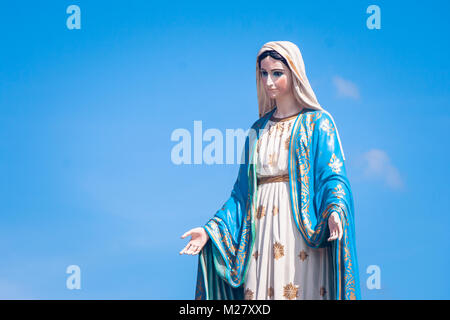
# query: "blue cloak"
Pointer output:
{"type": "Point", "coordinates": [318, 186]}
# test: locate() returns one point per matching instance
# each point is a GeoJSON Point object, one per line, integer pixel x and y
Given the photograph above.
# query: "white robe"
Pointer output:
{"type": "Point", "coordinates": [282, 267]}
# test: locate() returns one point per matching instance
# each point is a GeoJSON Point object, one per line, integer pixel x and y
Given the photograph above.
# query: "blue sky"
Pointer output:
{"type": "Point", "coordinates": [86, 118]}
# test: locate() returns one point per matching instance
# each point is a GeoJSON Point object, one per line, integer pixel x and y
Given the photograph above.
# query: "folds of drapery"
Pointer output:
{"type": "Point", "coordinates": [318, 186]}
{"type": "Point", "coordinates": [231, 232]}
{"type": "Point", "coordinates": [210, 283]}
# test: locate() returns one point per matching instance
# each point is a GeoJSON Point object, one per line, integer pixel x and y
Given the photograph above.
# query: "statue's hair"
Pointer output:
{"type": "Point", "coordinates": [273, 54]}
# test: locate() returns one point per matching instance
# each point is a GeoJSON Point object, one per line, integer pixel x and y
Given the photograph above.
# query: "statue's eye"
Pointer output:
{"type": "Point", "coordinates": [264, 73]}
{"type": "Point", "coordinates": [278, 73]}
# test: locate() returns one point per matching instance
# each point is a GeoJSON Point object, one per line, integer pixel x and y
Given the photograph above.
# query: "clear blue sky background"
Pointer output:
{"type": "Point", "coordinates": [86, 118]}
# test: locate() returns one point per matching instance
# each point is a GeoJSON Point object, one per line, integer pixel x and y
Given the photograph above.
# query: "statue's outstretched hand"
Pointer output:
{"type": "Point", "coordinates": [334, 223]}
{"type": "Point", "coordinates": [199, 237]}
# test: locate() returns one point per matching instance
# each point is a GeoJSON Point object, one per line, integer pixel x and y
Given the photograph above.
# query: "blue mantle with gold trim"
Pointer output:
{"type": "Point", "coordinates": [318, 186]}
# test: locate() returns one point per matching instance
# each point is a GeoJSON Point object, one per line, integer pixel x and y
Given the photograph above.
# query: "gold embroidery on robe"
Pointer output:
{"type": "Point", "coordinates": [256, 255]}
{"type": "Point", "coordinates": [261, 212]}
{"type": "Point", "coordinates": [275, 211]}
{"type": "Point", "coordinates": [303, 255]}
{"type": "Point", "coordinates": [278, 250]}
{"type": "Point", "coordinates": [248, 294]}
{"type": "Point", "coordinates": [289, 126]}
{"type": "Point", "coordinates": [339, 191]}
{"type": "Point", "coordinates": [326, 126]}
{"type": "Point", "coordinates": [270, 292]}
{"type": "Point", "coordinates": [290, 291]}
{"type": "Point", "coordinates": [280, 126]}
{"type": "Point", "coordinates": [335, 164]}
{"type": "Point", "coordinates": [273, 159]}
{"type": "Point", "coordinates": [286, 143]}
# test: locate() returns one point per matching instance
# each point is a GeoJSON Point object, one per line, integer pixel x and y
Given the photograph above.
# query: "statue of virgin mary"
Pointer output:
{"type": "Point", "coordinates": [271, 238]}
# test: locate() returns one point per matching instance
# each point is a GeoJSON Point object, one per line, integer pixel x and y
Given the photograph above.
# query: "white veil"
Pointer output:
{"type": "Point", "coordinates": [301, 87]}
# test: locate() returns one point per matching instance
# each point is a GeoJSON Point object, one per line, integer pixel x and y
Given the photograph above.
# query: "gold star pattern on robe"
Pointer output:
{"type": "Point", "coordinates": [275, 211]}
{"type": "Point", "coordinates": [286, 143]}
{"type": "Point", "coordinates": [290, 291]}
{"type": "Point", "coordinates": [281, 126]}
{"type": "Point", "coordinates": [256, 255]}
{"type": "Point", "coordinates": [270, 131]}
{"type": "Point", "coordinates": [303, 255]}
{"type": "Point", "coordinates": [289, 126]}
{"type": "Point", "coordinates": [273, 158]}
{"type": "Point", "coordinates": [248, 294]}
{"type": "Point", "coordinates": [278, 250]}
{"type": "Point", "coordinates": [261, 212]}
{"type": "Point", "coordinates": [327, 127]}
{"type": "Point", "coordinates": [339, 192]}
{"type": "Point", "coordinates": [335, 164]}
{"type": "Point", "coordinates": [323, 292]}
{"type": "Point", "coordinates": [270, 292]}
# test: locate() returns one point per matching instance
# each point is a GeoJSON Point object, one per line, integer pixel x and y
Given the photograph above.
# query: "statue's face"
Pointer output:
{"type": "Point", "coordinates": [276, 77]}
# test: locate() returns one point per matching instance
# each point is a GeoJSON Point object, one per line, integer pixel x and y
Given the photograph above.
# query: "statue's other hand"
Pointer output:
{"type": "Point", "coordinates": [335, 225]}
{"type": "Point", "coordinates": [199, 237]}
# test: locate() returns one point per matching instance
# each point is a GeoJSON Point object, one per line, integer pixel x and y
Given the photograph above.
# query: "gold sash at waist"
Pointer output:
{"type": "Point", "coordinates": [278, 178]}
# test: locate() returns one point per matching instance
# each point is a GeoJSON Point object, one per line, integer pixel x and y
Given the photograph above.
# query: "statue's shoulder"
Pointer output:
{"type": "Point", "coordinates": [319, 116]}
{"type": "Point", "coordinates": [311, 116]}
{"type": "Point", "coordinates": [316, 114]}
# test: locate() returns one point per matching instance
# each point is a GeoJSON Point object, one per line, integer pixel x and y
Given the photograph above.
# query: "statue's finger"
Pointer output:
{"type": "Point", "coordinates": [194, 250]}
{"type": "Point", "coordinates": [184, 250]}
{"type": "Point", "coordinates": [335, 234]}
{"type": "Point", "coordinates": [188, 247]}
{"type": "Point", "coordinates": [332, 236]}
{"type": "Point", "coordinates": [186, 234]}
{"type": "Point", "coordinates": [191, 249]}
